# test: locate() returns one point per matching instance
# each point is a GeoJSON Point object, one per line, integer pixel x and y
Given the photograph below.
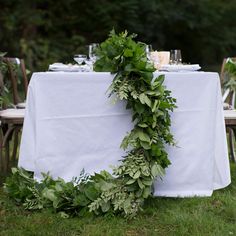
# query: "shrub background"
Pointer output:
{"type": "Point", "coordinates": [45, 31]}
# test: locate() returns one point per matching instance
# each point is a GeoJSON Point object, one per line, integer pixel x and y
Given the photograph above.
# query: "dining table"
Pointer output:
{"type": "Point", "coordinates": [72, 125]}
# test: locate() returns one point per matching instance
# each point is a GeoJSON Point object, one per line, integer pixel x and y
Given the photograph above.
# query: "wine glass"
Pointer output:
{"type": "Point", "coordinates": [148, 50]}
{"type": "Point", "coordinates": [80, 58]}
{"type": "Point", "coordinates": [175, 56]}
{"type": "Point", "coordinates": [92, 51]}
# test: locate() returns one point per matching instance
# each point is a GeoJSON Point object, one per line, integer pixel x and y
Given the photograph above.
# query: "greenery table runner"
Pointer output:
{"type": "Point", "coordinates": [131, 183]}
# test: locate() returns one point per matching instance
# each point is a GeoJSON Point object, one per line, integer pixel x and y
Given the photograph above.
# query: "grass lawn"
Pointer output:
{"type": "Point", "coordinates": [214, 216]}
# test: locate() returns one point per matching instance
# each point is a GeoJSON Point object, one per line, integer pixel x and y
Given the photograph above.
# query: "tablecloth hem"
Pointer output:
{"type": "Point", "coordinates": [183, 194]}
{"type": "Point", "coordinates": [218, 186]}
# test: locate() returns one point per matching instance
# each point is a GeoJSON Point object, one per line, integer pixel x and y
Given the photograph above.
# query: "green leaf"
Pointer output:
{"type": "Point", "coordinates": [146, 192]}
{"type": "Point", "coordinates": [147, 182]}
{"type": "Point", "coordinates": [136, 175]}
{"type": "Point", "coordinates": [131, 181]}
{"type": "Point", "coordinates": [107, 186]}
{"type": "Point", "coordinates": [158, 81]}
{"type": "Point", "coordinates": [143, 125]}
{"type": "Point", "coordinates": [145, 145]}
{"type": "Point", "coordinates": [155, 104]}
{"type": "Point", "coordinates": [157, 170]}
{"type": "Point", "coordinates": [139, 108]}
{"type": "Point", "coordinates": [128, 53]}
{"type": "Point", "coordinates": [58, 187]}
{"type": "Point", "coordinates": [105, 206]}
{"type": "Point", "coordinates": [81, 200]}
{"type": "Point", "coordinates": [141, 185]}
{"type": "Point", "coordinates": [49, 194]}
{"type": "Point", "coordinates": [91, 192]}
{"type": "Point", "coordinates": [143, 136]}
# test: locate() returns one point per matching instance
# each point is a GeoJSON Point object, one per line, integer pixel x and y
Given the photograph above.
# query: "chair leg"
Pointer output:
{"type": "Point", "coordinates": [234, 139]}
{"type": "Point", "coordinates": [232, 133]}
{"type": "Point", "coordinates": [16, 141]}
{"type": "Point", "coordinates": [7, 135]}
{"type": "Point", "coordinates": [1, 151]}
{"type": "Point", "coordinates": [6, 157]}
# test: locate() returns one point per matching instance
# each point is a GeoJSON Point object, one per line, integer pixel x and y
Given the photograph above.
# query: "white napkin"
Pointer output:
{"type": "Point", "coordinates": [175, 68]}
{"type": "Point", "coordinates": [69, 68]}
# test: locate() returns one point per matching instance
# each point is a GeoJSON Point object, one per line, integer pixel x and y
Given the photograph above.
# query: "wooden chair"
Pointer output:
{"type": "Point", "coordinates": [229, 112]}
{"type": "Point", "coordinates": [12, 118]}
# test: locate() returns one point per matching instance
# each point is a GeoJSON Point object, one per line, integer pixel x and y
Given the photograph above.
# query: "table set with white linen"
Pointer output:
{"type": "Point", "coordinates": [71, 124]}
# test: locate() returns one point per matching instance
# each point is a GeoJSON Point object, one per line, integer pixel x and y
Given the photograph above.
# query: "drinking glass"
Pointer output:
{"type": "Point", "coordinates": [175, 56]}
{"type": "Point", "coordinates": [92, 51]}
{"type": "Point", "coordinates": [148, 50]}
{"type": "Point", "coordinates": [80, 58]}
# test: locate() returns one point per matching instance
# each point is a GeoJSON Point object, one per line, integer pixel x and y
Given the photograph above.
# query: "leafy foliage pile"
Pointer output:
{"type": "Point", "coordinates": [131, 183]}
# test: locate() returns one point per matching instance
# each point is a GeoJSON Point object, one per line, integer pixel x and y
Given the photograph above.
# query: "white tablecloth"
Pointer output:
{"type": "Point", "coordinates": [70, 125]}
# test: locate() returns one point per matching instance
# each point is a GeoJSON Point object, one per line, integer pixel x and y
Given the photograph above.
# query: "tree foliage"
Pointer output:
{"type": "Point", "coordinates": [44, 31]}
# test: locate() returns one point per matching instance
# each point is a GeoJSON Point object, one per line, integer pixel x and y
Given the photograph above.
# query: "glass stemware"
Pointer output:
{"type": "Point", "coordinates": [148, 50]}
{"type": "Point", "coordinates": [80, 58]}
{"type": "Point", "coordinates": [92, 51]}
{"type": "Point", "coordinates": [175, 57]}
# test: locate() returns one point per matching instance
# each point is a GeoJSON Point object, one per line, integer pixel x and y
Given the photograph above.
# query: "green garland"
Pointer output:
{"type": "Point", "coordinates": [131, 183]}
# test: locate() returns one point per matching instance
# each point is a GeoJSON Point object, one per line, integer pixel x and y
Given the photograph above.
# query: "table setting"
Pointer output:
{"type": "Point", "coordinates": [172, 144]}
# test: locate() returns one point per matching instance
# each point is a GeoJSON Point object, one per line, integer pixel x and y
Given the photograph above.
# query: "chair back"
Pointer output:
{"type": "Point", "coordinates": [229, 96]}
{"type": "Point", "coordinates": [15, 79]}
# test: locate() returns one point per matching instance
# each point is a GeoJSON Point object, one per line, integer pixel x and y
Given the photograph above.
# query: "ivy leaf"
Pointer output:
{"type": "Point", "coordinates": [143, 136]}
